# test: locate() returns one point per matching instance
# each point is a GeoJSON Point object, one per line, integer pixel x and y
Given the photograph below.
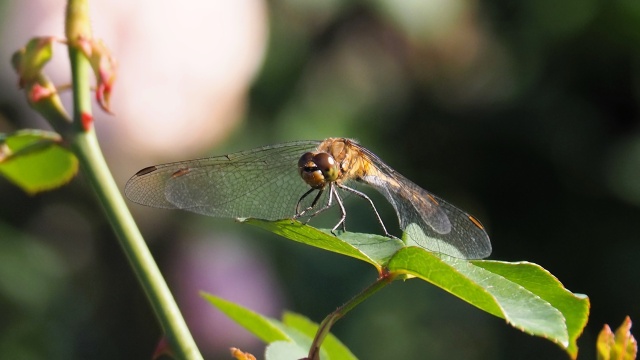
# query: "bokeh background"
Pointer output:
{"type": "Point", "coordinates": [525, 114]}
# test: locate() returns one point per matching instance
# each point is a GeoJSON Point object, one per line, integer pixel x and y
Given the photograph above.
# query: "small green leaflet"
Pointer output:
{"type": "Point", "coordinates": [35, 161]}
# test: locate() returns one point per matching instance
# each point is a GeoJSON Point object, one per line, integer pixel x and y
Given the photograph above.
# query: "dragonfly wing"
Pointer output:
{"type": "Point", "coordinates": [431, 222]}
{"type": "Point", "coordinates": [427, 220]}
{"type": "Point", "coordinates": [466, 239]}
{"type": "Point", "coordinates": [262, 183]}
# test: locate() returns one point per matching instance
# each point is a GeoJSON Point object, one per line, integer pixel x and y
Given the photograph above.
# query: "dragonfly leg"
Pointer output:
{"type": "Point", "coordinates": [364, 196]}
{"type": "Point", "coordinates": [326, 206]}
{"type": "Point", "coordinates": [313, 204]}
{"type": "Point", "coordinates": [343, 211]}
{"type": "Point", "coordinates": [332, 192]}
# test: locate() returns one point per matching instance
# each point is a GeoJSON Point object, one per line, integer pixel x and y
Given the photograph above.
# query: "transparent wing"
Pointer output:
{"type": "Point", "coordinates": [428, 221]}
{"type": "Point", "coordinates": [262, 183]}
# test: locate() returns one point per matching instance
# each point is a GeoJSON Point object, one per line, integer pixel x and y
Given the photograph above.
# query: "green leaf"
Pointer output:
{"type": "Point", "coordinates": [374, 249]}
{"type": "Point", "coordinates": [266, 329]}
{"type": "Point", "coordinates": [35, 161]}
{"type": "Point", "coordinates": [574, 307]}
{"type": "Point", "coordinates": [290, 338]}
{"type": "Point", "coordinates": [524, 294]}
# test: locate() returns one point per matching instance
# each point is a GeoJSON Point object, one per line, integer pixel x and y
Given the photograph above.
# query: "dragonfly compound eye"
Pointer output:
{"type": "Point", "coordinates": [310, 172]}
{"type": "Point", "coordinates": [327, 164]}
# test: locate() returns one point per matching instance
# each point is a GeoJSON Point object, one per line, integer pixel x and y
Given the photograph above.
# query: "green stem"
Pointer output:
{"type": "Point", "coordinates": [325, 326]}
{"type": "Point", "coordinates": [85, 145]}
{"type": "Point", "coordinates": [94, 167]}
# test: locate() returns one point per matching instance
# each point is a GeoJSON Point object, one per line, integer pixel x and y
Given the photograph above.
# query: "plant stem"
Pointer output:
{"type": "Point", "coordinates": [325, 326]}
{"type": "Point", "coordinates": [167, 312]}
{"type": "Point", "coordinates": [85, 145]}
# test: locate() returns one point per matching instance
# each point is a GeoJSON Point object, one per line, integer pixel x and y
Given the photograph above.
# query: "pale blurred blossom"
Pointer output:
{"type": "Point", "coordinates": [184, 68]}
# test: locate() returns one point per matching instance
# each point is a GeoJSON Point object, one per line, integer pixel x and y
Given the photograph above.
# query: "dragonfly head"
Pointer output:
{"type": "Point", "coordinates": [318, 169]}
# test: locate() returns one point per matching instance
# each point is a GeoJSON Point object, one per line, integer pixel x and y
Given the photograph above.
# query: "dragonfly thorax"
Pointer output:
{"type": "Point", "coordinates": [318, 169]}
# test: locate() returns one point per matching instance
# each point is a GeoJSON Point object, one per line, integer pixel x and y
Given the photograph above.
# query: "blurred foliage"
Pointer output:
{"type": "Point", "coordinates": [294, 334]}
{"type": "Point", "coordinates": [523, 114]}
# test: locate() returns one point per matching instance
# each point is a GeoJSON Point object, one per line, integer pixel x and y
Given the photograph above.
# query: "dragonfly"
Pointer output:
{"type": "Point", "coordinates": [302, 179]}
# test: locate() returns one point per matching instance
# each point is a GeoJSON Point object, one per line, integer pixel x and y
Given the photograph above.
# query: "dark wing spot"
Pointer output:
{"type": "Point", "coordinates": [433, 200]}
{"type": "Point", "coordinates": [146, 170]}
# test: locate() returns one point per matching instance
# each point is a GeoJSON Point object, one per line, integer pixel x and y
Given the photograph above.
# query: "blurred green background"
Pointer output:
{"type": "Point", "coordinates": [523, 114]}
